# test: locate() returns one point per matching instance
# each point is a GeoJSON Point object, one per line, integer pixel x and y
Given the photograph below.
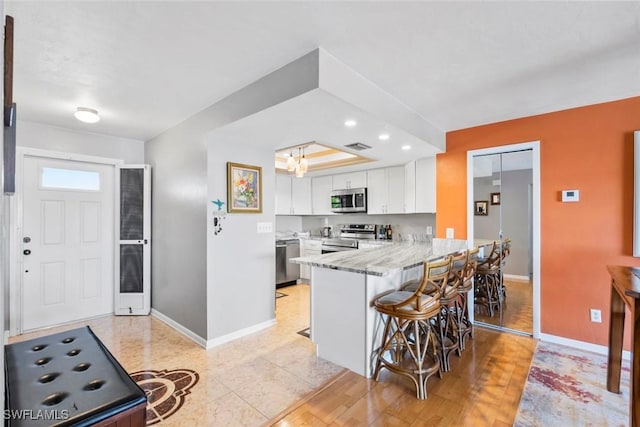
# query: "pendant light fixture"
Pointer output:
{"type": "Point", "coordinates": [304, 165]}
{"type": "Point", "coordinates": [291, 162]}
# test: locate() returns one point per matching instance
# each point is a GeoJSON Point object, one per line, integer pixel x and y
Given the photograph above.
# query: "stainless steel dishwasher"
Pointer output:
{"type": "Point", "coordinates": [287, 273]}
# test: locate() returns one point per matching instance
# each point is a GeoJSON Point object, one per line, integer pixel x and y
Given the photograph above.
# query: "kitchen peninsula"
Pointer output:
{"type": "Point", "coordinates": [344, 325]}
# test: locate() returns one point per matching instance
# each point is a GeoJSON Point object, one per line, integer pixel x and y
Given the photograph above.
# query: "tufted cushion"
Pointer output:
{"type": "Point", "coordinates": [69, 373]}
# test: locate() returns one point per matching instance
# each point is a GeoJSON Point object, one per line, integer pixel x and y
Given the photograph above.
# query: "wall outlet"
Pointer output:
{"type": "Point", "coordinates": [265, 227]}
{"type": "Point", "coordinates": [449, 233]}
{"type": "Point", "coordinates": [429, 230]}
{"type": "Point", "coordinates": [596, 315]}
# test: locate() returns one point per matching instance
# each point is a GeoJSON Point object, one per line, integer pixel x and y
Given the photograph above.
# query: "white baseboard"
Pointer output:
{"type": "Point", "coordinates": [516, 277]}
{"type": "Point", "coordinates": [213, 342]}
{"type": "Point", "coordinates": [178, 327]}
{"type": "Point", "coordinates": [581, 345]}
{"type": "Point", "coordinates": [238, 334]}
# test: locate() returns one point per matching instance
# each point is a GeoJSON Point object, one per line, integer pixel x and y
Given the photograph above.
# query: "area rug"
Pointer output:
{"type": "Point", "coordinates": [166, 391]}
{"type": "Point", "coordinates": [568, 387]}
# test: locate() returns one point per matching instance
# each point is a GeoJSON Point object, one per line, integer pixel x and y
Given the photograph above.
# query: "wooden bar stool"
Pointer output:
{"type": "Point", "coordinates": [465, 327]}
{"type": "Point", "coordinates": [408, 346]}
{"type": "Point", "coordinates": [487, 279]}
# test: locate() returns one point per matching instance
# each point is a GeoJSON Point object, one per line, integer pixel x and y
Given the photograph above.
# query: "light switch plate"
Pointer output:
{"type": "Point", "coordinates": [450, 233]}
{"type": "Point", "coordinates": [429, 230]}
{"type": "Point", "coordinates": [264, 227]}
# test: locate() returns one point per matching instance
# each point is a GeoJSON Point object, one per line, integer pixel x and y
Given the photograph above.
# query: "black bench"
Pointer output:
{"type": "Point", "coordinates": [69, 379]}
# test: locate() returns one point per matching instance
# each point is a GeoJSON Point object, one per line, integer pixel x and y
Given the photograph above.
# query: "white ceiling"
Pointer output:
{"type": "Point", "coordinates": [147, 66]}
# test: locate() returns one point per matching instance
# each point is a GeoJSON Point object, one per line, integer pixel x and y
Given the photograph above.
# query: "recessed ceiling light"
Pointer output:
{"type": "Point", "coordinates": [406, 147]}
{"type": "Point", "coordinates": [87, 115]}
{"type": "Point", "coordinates": [383, 136]}
{"type": "Point", "coordinates": [350, 123]}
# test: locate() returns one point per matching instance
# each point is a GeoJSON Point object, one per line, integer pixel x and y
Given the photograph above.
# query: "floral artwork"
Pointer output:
{"type": "Point", "coordinates": [244, 188]}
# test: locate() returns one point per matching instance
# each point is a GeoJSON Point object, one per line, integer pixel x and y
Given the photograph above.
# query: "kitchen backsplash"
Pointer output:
{"type": "Point", "coordinates": [401, 224]}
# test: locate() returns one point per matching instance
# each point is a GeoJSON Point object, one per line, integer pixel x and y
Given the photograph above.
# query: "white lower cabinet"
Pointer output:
{"type": "Point", "coordinates": [308, 248]}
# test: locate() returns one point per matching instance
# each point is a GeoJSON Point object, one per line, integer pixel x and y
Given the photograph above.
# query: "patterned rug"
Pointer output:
{"type": "Point", "coordinates": [568, 387]}
{"type": "Point", "coordinates": [165, 390]}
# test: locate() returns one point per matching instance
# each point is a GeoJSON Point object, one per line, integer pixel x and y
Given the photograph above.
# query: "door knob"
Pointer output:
{"type": "Point", "coordinates": [26, 239]}
{"type": "Point", "coordinates": [27, 252]}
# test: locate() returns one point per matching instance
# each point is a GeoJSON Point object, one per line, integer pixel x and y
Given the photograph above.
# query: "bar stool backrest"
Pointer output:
{"type": "Point", "coordinates": [470, 266]}
{"type": "Point", "coordinates": [456, 276]}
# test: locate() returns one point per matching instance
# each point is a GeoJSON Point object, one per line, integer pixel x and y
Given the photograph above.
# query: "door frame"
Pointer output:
{"type": "Point", "coordinates": [16, 204]}
{"type": "Point", "coordinates": [534, 146]}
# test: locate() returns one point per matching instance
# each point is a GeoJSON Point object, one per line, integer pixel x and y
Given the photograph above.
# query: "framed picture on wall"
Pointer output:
{"type": "Point", "coordinates": [481, 207]}
{"type": "Point", "coordinates": [495, 198]}
{"type": "Point", "coordinates": [244, 188]}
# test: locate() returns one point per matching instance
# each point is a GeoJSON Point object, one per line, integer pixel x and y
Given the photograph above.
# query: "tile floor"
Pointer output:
{"type": "Point", "coordinates": [243, 383]}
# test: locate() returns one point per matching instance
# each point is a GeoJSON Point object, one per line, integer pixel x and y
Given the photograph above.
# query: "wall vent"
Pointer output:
{"type": "Point", "coordinates": [358, 146]}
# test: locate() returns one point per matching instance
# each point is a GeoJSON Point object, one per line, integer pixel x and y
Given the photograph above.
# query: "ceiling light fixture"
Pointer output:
{"type": "Point", "coordinates": [406, 147]}
{"type": "Point", "coordinates": [87, 115]}
{"type": "Point", "coordinates": [350, 123]}
{"type": "Point", "coordinates": [291, 162]}
{"type": "Point", "coordinates": [302, 166]}
{"type": "Point", "coordinates": [383, 136]}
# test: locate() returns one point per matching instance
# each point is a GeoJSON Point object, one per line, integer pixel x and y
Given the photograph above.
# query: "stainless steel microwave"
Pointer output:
{"type": "Point", "coordinates": [349, 200]}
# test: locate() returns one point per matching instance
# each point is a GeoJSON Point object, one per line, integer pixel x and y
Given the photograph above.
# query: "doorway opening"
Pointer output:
{"type": "Point", "coordinates": [503, 196]}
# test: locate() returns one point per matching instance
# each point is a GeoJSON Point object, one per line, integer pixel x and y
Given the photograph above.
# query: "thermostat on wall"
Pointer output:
{"type": "Point", "coordinates": [570, 195]}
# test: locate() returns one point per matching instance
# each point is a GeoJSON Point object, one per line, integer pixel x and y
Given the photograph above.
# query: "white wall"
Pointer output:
{"type": "Point", "coordinates": [241, 262]}
{"type": "Point", "coordinates": [46, 137]}
{"type": "Point", "coordinates": [183, 282]}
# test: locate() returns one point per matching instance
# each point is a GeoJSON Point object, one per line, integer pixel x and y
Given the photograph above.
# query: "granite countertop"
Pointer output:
{"type": "Point", "coordinates": [379, 261]}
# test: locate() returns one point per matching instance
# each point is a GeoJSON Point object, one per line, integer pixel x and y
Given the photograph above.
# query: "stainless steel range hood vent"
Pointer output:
{"type": "Point", "coordinates": [358, 146]}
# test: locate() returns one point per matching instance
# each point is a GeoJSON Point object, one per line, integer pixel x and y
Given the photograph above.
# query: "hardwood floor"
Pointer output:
{"type": "Point", "coordinates": [483, 388]}
{"type": "Point", "coordinates": [517, 309]}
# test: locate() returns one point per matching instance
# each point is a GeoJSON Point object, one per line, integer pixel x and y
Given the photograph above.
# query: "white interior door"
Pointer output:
{"type": "Point", "coordinates": [67, 241]}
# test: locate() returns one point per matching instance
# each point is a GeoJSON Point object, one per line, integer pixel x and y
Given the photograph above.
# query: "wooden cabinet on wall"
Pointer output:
{"type": "Point", "coordinates": [349, 180]}
{"type": "Point", "coordinates": [386, 190]}
{"type": "Point", "coordinates": [293, 195]}
{"type": "Point", "coordinates": [321, 195]}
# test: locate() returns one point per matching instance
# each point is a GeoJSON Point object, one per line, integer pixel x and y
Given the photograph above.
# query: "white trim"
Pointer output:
{"type": "Point", "coordinates": [515, 277]}
{"type": "Point", "coordinates": [239, 334]}
{"type": "Point", "coordinates": [213, 342]}
{"type": "Point", "coordinates": [581, 345]}
{"type": "Point", "coordinates": [15, 229]}
{"type": "Point", "coordinates": [535, 147]}
{"type": "Point", "coordinates": [179, 328]}
{"type": "Point", "coordinates": [6, 336]}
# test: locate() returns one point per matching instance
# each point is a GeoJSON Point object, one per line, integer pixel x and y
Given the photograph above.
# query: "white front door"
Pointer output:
{"type": "Point", "coordinates": [67, 241]}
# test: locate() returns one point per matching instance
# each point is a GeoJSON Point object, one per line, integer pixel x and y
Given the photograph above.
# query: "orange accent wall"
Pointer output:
{"type": "Point", "coordinates": [587, 148]}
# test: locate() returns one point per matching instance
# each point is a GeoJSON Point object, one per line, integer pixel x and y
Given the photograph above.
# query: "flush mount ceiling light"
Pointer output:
{"type": "Point", "coordinates": [87, 115]}
{"type": "Point", "coordinates": [350, 123]}
{"type": "Point", "coordinates": [383, 136]}
{"type": "Point", "coordinates": [406, 147]}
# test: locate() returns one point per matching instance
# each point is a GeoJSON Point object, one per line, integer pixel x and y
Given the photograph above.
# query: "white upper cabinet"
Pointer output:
{"type": "Point", "coordinates": [385, 190]}
{"type": "Point", "coordinates": [410, 187]}
{"type": "Point", "coordinates": [349, 180]}
{"type": "Point", "coordinates": [293, 195]}
{"type": "Point", "coordinates": [321, 194]}
{"type": "Point", "coordinates": [426, 185]}
{"type": "Point", "coordinates": [283, 194]}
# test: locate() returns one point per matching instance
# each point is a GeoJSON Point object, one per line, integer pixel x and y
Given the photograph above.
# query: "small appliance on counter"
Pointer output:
{"type": "Point", "coordinates": [326, 232]}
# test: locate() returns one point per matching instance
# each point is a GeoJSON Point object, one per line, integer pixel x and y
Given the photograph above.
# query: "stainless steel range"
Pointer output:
{"type": "Point", "coordinates": [350, 234]}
